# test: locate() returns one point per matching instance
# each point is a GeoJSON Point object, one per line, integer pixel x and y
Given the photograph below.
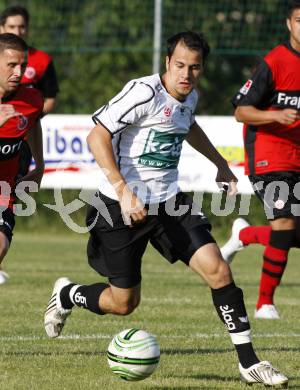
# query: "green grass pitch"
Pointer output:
{"type": "Point", "coordinates": [196, 352]}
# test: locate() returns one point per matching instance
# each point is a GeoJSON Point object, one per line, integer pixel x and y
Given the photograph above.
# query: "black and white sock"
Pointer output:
{"type": "Point", "coordinates": [86, 296]}
{"type": "Point", "coordinates": [229, 303]}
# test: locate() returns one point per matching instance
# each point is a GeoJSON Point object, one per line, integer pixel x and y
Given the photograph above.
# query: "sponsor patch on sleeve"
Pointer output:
{"type": "Point", "coordinates": [245, 88]}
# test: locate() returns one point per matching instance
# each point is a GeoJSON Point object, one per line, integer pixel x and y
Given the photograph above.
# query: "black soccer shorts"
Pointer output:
{"type": "Point", "coordinates": [7, 222]}
{"type": "Point", "coordinates": [115, 250]}
{"type": "Point", "coordinates": [279, 193]}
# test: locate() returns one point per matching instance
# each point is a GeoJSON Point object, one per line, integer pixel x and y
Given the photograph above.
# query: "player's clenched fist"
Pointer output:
{"type": "Point", "coordinates": [287, 116]}
{"type": "Point", "coordinates": [7, 111]}
{"type": "Point", "coordinates": [133, 210]}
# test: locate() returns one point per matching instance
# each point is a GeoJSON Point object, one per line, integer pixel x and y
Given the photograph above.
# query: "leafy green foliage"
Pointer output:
{"type": "Point", "coordinates": [98, 46]}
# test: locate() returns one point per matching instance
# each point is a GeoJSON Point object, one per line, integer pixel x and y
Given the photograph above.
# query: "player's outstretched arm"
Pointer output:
{"type": "Point", "coordinates": [100, 143]}
{"type": "Point", "coordinates": [49, 104]}
{"type": "Point", "coordinates": [35, 142]}
{"type": "Point", "coordinates": [253, 116]}
{"type": "Point", "coordinates": [199, 141]}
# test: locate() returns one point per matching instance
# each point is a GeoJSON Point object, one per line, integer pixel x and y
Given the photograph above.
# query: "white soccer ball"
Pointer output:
{"type": "Point", "coordinates": [133, 354]}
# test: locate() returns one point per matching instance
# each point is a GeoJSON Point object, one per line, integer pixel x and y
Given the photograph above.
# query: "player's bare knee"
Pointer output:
{"type": "Point", "coordinates": [220, 275]}
{"type": "Point", "coordinates": [224, 272]}
{"type": "Point", "coordinates": [127, 307]}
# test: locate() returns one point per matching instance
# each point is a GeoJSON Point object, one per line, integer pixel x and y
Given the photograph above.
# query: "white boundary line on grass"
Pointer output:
{"type": "Point", "coordinates": [107, 336]}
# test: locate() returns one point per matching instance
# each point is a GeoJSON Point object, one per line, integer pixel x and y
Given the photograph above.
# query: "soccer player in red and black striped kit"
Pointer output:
{"type": "Point", "coordinates": [39, 73]}
{"type": "Point", "coordinates": [20, 110]}
{"type": "Point", "coordinates": [269, 106]}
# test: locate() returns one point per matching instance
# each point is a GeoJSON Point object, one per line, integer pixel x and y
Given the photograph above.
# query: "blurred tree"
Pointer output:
{"type": "Point", "coordinates": [98, 45]}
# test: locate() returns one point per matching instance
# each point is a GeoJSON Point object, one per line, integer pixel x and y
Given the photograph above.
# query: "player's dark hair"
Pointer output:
{"type": "Point", "coordinates": [14, 10]}
{"type": "Point", "coordinates": [12, 41]}
{"type": "Point", "coordinates": [292, 6]}
{"type": "Point", "coordinates": [192, 40]}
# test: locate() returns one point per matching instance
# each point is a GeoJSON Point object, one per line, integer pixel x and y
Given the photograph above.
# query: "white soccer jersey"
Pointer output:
{"type": "Point", "coordinates": [148, 127]}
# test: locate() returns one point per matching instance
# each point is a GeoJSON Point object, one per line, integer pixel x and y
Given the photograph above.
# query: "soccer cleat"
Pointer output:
{"type": "Point", "coordinates": [234, 244]}
{"type": "Point", "coordinates": [267, 312]}
{"type": "Point", "coordinates": [3, 277]}
{"type": "Point", "coordinates": [56, 315]}
{"type": "Point", "coordinates": [265, 373]}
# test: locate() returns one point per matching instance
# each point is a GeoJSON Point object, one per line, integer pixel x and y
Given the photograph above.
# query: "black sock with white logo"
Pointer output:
{"type": "Point", "coordinates": [65, 296]}
{"type": "Point", "coordinates": [229, 303]}
{"type": "Point", "coordinates": [86, 296]}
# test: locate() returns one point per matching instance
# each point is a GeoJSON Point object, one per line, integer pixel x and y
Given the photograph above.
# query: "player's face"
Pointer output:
{"type": "Point", "coordinates": [15, 25]}
{"type": "Point", "coordinates": [293, 24]}
{"type": "Point", "coordinates": [12, 67]}
{"type": "Point", "coordinates": [184, 69]}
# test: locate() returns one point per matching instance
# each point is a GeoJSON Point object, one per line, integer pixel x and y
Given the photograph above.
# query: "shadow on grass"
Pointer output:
{"type": "Point", "coordinates": [52, 353]}
{"type": "Point", "coordinates": [239, 383]}
{"type": "Point", "coordinates": [232, 381]}
{"type": "Point", "coordinates": [167, 352]}
{"type": "Point", "coordinates": [278, 349]}
{"type": "Point", "coordinates": [224, 350]}
{"type": "Point", "coordinates": [188, 387]}
{"type": "Point", "coordinates": [255, 284]}
{"type": "Point", "coordinates": [201, 377]}
{"type": "Point", "coordinates": [211, 377]}
{"type": "Point", "coordinates": [191, 351]}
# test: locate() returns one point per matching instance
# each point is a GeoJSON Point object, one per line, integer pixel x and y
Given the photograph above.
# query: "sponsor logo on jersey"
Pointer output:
{"type": "Point", "coordinates": [159, 87]}
{"type": "Point", "coordinates": [167, 111]}
{"type": "Point", "coordinates": [8, 150]}
{"type": "Point", "coordinates": [227, 317]}
{"type": "Point", "coordinates": [262, 163]}
{"type": "Point", "coordinates": [22, 122]}
{"type": "Point", "coordinates": [245, 88]}
{"type": "Point", "coordinates": [166, 120]}
{"type": "Point", "coordinates": [30, 72]}
{"type": "Point", "coordinates": [287, 100]}
{"type": "Point", "coordinates": [162, 150]}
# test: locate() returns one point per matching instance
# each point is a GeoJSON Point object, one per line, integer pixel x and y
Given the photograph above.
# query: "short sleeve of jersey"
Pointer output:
{"type": "Point", "coordinates": [48, 83]}
{"type": "Point", "coordinates": [126, 108]}
{"type": "Point", "coordinates": [256, 89]}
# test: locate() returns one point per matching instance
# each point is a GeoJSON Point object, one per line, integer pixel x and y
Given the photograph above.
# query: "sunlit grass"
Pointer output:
{"type": "Point", "coordinates": [176, 306]}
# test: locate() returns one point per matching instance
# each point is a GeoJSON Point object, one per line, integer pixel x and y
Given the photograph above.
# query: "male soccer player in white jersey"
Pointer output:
{"type": "Point", "coordinates": [137, 142]}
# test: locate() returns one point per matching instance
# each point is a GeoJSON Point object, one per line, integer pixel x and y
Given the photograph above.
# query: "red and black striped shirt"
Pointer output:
{"type": "Point", "coordinates": [275, 84]}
